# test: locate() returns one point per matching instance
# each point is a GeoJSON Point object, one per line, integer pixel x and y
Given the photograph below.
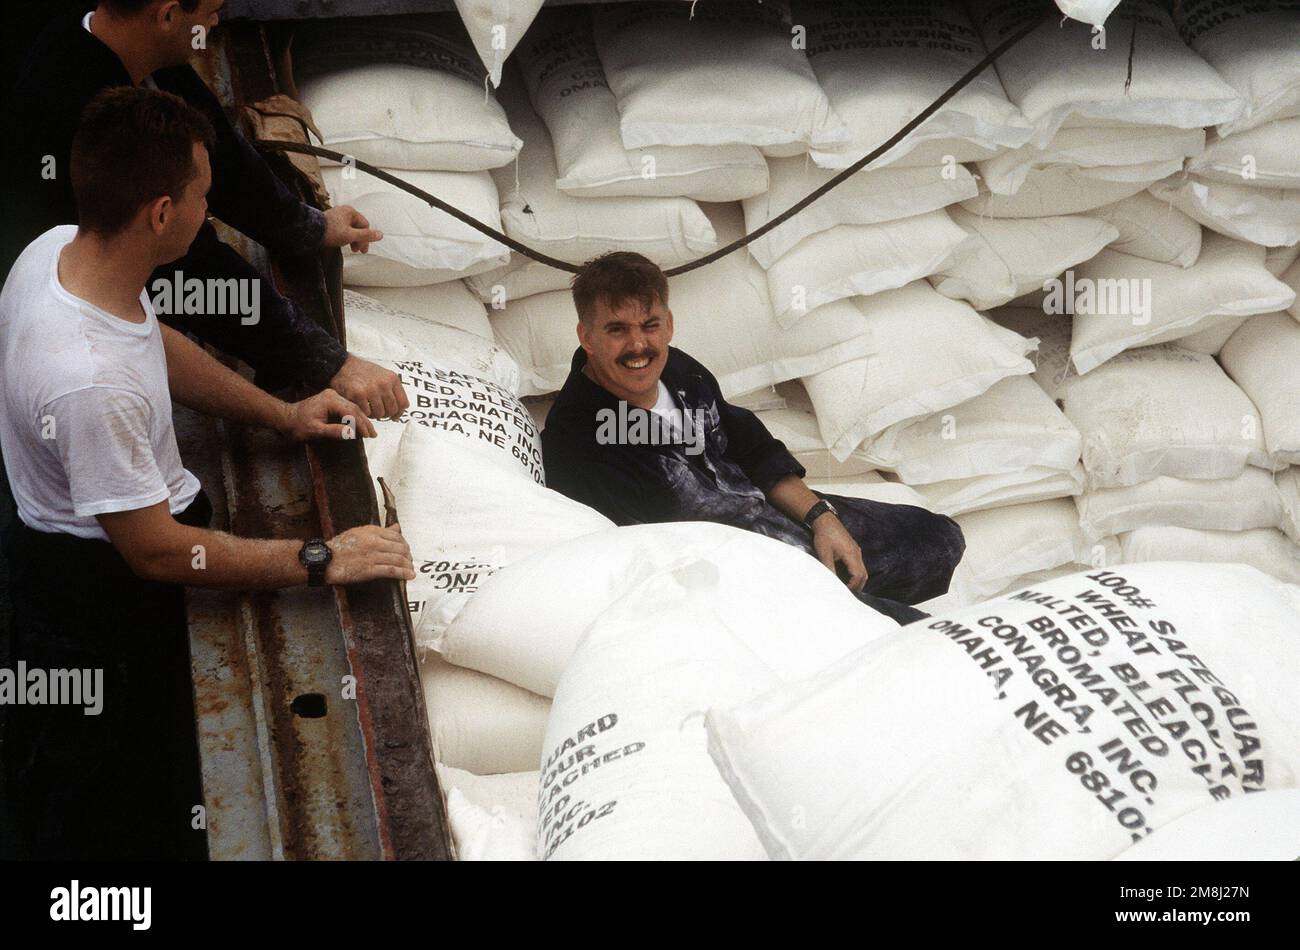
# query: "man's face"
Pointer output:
{"type": "Point", "coordinates": [177, 27]}
{"type": "Point", "coordinates": [627, 348]}
{"type": "Point", "coordinates": [188, 210]}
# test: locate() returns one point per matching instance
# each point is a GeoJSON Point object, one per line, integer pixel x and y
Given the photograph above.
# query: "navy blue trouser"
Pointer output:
{"type": "Point", "coordinates": [121, 784]}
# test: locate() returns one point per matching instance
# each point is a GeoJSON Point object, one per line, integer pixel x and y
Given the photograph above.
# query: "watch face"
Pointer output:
{"type": "Point", "coordinates": [315, 553]}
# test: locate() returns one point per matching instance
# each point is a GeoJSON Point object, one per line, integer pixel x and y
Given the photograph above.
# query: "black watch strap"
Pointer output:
{"type": "Point", "coordinates": [817, 510]}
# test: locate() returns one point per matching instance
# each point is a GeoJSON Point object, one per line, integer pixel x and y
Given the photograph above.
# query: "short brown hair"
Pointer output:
{"type": "Point", "coordinates": [132, 146]}
{"type": "Point", "coordinates": [617, 277]}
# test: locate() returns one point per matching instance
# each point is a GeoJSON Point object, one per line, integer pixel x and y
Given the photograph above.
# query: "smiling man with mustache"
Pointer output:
{"type": "Point", "coordinates": [719, 462]}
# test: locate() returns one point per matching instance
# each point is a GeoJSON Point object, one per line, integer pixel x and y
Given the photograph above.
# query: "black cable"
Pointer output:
{"type": "Point", "coordinates": [420, 193]}
{"type": "Point", "coordinates": [721, 252]}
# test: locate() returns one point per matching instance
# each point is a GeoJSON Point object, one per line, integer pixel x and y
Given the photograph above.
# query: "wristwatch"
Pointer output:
{"type": "Point", "coordinates": [315, 555]}
{"type": "Point", "coordinates": [817, 510]}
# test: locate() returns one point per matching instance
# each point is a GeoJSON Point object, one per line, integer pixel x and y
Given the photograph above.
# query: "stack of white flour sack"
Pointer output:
{"type": "Point", "coordinates": [1062, 311]}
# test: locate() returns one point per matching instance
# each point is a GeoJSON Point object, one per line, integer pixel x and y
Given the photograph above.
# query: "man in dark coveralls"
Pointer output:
{"type": "Point", "coordinates": [719, 462]}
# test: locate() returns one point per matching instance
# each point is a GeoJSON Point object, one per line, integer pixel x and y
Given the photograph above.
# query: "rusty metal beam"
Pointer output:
{"type": "Point", "coordinates": [292, 769]}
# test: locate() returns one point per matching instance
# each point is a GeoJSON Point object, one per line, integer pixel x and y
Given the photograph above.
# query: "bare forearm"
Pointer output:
{"type": "Point", "coordinates": [202, 383]}
{"type": "Point", "coordinates": [792, 497]}
{"type": "Point", "coordinates": [197, 557]}
{"type": "Point", "coordinates": [159, 548]}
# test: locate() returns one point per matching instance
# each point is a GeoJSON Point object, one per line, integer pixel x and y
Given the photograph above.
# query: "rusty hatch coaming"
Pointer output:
{"type": "Point", "coordinates": [280, 779]}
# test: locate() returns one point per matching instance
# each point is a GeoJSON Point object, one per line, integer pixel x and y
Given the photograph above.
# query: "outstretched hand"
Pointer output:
{"type": "Point", "coordinates": [314, 418]}
{"type": "Point", "coordinates": [346, 226]}
{"type": "Point", "coordinates": [376, 390]}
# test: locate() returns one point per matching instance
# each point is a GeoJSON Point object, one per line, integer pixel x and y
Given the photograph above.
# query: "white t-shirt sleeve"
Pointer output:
{"type": "Point", "coordinates": [102, 438]}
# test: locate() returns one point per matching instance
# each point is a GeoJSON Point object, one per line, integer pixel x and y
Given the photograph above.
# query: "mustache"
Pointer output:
{"type": "Point", "coordinates": [650, 355]}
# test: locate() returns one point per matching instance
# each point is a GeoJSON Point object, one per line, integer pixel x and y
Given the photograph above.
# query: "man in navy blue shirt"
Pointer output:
{"type": "Point", "coordinates": [641, 433]}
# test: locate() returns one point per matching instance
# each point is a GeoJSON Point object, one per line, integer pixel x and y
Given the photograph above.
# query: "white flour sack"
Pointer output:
{"type": "Point", "coordinates": [469, 491]}
{"type": "Point", "coordinates": [479, 723]}
{"type": "Point", "coordinates": [669, 231]}
{"type": "Point", "coordinates": [527, 619]}
{"type": "Point", "coordinates": [1052, 354]}
{"type": "Point", "coordinates": [1268, 550]}
{"type": "Point", "coordinates": [1263, 357]}
{"type": "Point", "coordinates": [496, 26]}
{"type": "Point", "coordinates": [861, 259]}
{"type": "Point", "coordinates": [867, 197]}
{"type": "Point", "coordinates": [1004, 544]}
{"type": "Point", "coordinates": [1265, 155]}
{"type": "Point", "coordinates": [760, 400]}
{"type": "Point", "coordinates": [1152, 229]}
{"type": "Point", "coordinates": [378, 331]}
{"type": "Point", "coordinates": [1279, 260]}
{"type": "Point", "coordinates": [1068, 721]}
{"type": "Point", "coordinates": [797, 430]}
{"type": "Point", "coordinates": [1221, 504]}
{"type": "Point", "coordinates": [466, 464]}
{"type": "Point", "coordinates": [795, 424]}
{"type": "Point", "coordinates": [869, 485]}
{"type": "Point", "coordinates": [521, 277]}
{"type": "Point", "coordinates": [450, 376]}
{"type": "Point", "coordinates": [721, 316]}
{"type": "Point", "coordinates": [1059, 190]}
{"type": "Point", "coordinates": [539, 407]}
{"type": "Point", "coordinates": [1162, 410]}
{"type": "Point", "coordinates": [1168, 84]}
{"type": "Point", "coordinates": [1119, 301]}
{"type": "Point", "coordinates": [1009, 428]}
{"type": "Point", "coordinates": [1268, 216]}
{"type": "Point", "coordinates": [450, 304]}
{"type": "Point", "coordinates": [962, 495]}
{"type": "Point", "coordinates": [626, 774]}
{"type": "Point", "coordinates": [525, 623]}
{"type": "Point", "coordinates": [928, 353]}
{"type": "Point", "coordinates": [1288, 487]}
{"type": "Point", "coordinates": [720, 73]}
{"type": "Point", "coordinates": [1039, 577]}
{"type": "Point", "coordinates": [492, 817]}
{"type": "Point", "coordinates": [396, 95]}
{"type": "Point", "coordinates": [1255, 47]}
{"type": "Point", "coordinates": [1261, 827]}
{"type": "Point", "coordinates": [421, 244]}
{"type": "Point", "coordinates": [882, 64]}
{"type": "Point", "coordinates": [1089, 11]}
{"type": "Point", "coordinates": [1126, 153]}
{"type": "Point", "coordinates": [1291, 277]}
{"type": "Point", "coordinates": [465, 389]}
{"type": "Point", "coordinates": [1013, 256]}
{"type": "Point", "coordinates": [567, 86]}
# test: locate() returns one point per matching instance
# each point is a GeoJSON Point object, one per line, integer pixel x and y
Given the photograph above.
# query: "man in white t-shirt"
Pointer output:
{"type": "Point", "coordinates": [112, 524]}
